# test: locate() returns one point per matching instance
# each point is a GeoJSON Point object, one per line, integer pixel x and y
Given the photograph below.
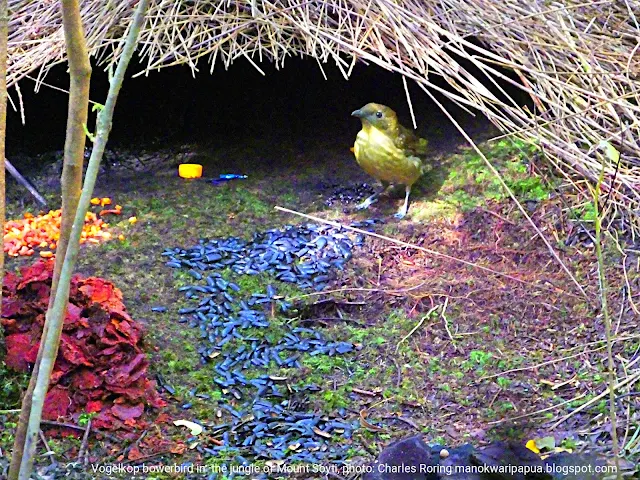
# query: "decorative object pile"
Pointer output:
{"type": "Point", "coordinates": [266, 414]}
{"type": "Point", "coordinates": [42, 232]}
{"type": "Point", "coordinates": [101, 367]}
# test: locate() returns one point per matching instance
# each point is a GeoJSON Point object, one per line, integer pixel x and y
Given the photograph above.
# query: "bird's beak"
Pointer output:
{"type": "Point", "coordinates": [357, 113]}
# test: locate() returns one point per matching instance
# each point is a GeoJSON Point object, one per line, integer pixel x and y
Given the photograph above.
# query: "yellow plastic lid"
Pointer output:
{"type": "Point", "coordinates": [190, 170]}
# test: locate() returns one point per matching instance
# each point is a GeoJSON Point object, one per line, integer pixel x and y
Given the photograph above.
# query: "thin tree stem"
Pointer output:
{"type": "Point", "coordinates": [4, 26]}
{"type": "Point", "coordinates": [71, 185]}
{"type": "Point", "coordinates": [611, 370]}
{"type": "Point", "coordinates": [55, 315]}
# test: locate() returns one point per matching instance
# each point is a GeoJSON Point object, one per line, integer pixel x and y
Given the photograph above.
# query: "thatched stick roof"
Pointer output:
{"type": "Point", "coordinates": [580, 60]}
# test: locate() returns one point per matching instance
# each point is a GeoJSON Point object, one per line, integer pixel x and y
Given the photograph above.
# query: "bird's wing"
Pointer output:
{"type": "Point", "coordinates": [411, 143]}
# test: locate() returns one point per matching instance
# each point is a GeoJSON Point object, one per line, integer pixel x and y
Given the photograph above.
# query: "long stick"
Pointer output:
{"type": "Point", "coordinates": [423, 249]}
{"type": "Point", "coordinates": [4, 27]}
{"type": "Point", "coordinates": [55, 315]}
{"type": "Point", "coordinates": [23, 181]}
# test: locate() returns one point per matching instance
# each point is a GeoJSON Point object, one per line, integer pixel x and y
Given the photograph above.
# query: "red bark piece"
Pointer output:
{"type": "Point", "coordinates": [127, 412]}
{"type": "Point", "coordinates": [38, 272]}
{"type": "Point", "coordinates": [178, 448]}
{"type": "Point", "coordinates": [18, 345]}
{"type": "Point", "coordinates": [135, 453]}
{"type": "Point", "coordinates": [73, 315]}
{"type": "Point", "coordinates": [104, 420]}
{"type": "Point", "coordinates": [124, 375]}
{"type": "Point", "coordinates": [56, 403]}
{"type": "Point", "coordinates": [85, 379]}
{"type": "Point", "coordinates": [40, 319]}
{"type": "Point", "coordinates": [10, 325]}
{"type": "Point", "coordinates": [94, 406]}
{"type": "Point", "coordinates": [42, 292]}
{"type": "Point", "coordinates": [72, 353]}
{"type": "Point", "coordinates": [119, 312]}
{"type": "Point", "coordinates": [153, 397]}
{"type": "Point", "coordinates": [12, 307]}
{"type": "Point", "coordinates": [113, 336]}
{"type": "Point", "coordinates": [128, 329]}
{"type": "Point", "coordinates": [62, 432]}
{"type": "Point", "coordinates": [32, 354]}
{"type": "Point", "coordinates": [98, 290]}
{"type": "Point", "coordinates": [115, 359]}
{"type": "Point", "coordinates": [132, 392]}
{"type": "Point", "coordinates": [109, 351]}
{"type": "Point", "coordinates": [10, 281]}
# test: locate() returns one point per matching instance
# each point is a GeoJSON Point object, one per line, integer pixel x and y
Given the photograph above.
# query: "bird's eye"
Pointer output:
{"type": "Point", "coordinates": [379, 114]}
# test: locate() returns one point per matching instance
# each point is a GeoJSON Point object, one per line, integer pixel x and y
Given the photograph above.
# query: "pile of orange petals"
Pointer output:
{"type": "Point", "coordinates": [22, 237]}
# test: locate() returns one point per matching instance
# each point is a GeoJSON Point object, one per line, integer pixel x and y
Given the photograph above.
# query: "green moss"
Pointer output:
{"type": "Point", "coordinates": [12, 384]}
{"type": "Point", "coordinates": [335, 399]}
{"type": "Point", "coordinates": [585, 213]}
{"type": "Point", "coordinates": [6, 434]}
{"type": "Point", "coordinates": [471, 183]}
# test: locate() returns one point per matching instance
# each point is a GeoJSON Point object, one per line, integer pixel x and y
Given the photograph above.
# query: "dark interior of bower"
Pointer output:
{"type": "Point", "coordinates": [293, 104]}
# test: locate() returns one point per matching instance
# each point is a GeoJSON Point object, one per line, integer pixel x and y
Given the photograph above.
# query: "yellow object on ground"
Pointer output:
{"type": "Point", "coordinates": [190, 170]}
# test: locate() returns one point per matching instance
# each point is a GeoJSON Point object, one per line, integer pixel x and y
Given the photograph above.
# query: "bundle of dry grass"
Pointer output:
{"type": "Point", "coordinates": [579, 61]}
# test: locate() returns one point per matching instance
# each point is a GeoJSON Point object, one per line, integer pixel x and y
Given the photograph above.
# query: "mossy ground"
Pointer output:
{"type": "Point", "coordinates": [437, 338]}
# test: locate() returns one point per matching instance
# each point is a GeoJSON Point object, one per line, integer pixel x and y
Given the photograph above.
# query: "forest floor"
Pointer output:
{"type": "Point", "coordinates": [446, 348]}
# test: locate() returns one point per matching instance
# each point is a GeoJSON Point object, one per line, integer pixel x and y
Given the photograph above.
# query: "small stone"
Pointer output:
{"type": "Point", "coordinates": [444, 453]}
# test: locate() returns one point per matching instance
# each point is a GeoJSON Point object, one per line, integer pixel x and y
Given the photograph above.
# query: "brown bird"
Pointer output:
{"type": "Point", "coordinates": [388, 152]}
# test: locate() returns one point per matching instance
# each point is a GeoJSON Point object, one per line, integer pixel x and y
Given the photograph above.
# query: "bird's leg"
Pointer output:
{"type": "Point", "coordinates": [405, 208]}
{"type": "Point", "coordinates": [373, 198]}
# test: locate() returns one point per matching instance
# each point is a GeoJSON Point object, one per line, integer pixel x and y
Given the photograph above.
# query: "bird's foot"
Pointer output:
{"type": "Point", "coordinates": [402, 212]}
{"type": "Point", "coordinates": [366, 204]}
{"type": "Point", "coordinates": [405, 206]}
